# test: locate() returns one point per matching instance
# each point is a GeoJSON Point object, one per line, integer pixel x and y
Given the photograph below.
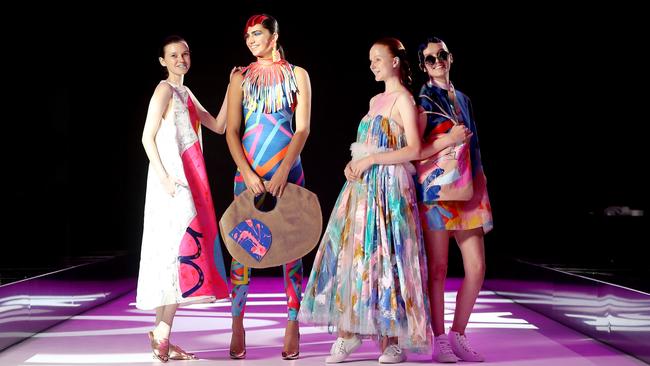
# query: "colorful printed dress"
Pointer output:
{"type": "Point", "coordinates": [269, 103]}
{"type": "Point", "coordinates": [369, 274]}
{"type": "Point", "coordinates": [181, 260]}
{"type": "Point", "coordinates": [455, 215]}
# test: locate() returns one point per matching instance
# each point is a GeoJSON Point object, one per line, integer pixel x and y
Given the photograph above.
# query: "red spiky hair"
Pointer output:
{"type": "Point", "coordinates": [254, 20]}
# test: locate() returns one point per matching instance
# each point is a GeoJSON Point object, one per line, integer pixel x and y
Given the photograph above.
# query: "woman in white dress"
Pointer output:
{"type": "Point", "coordinates": [181, 261]}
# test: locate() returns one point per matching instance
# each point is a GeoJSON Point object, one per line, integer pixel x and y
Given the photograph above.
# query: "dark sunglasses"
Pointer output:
{"type": "Point", "coordinates": [442, 56]}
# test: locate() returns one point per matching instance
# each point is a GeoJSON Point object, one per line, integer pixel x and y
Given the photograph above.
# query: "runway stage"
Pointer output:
{"type": "Point", "coordinates": [115, 334]}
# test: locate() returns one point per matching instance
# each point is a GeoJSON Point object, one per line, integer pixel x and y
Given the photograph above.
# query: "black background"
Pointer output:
{"type": "Point", "coordinates": [559, 98]}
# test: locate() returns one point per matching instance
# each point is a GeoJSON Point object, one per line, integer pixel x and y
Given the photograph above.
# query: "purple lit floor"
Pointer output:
{"type": "Point", "coordinates": [115, 334]}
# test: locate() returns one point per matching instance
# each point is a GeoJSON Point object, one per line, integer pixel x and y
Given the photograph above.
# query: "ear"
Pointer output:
{"type": "Point", "coordinates": [395, 61]}
{"type": "Point", "coordinates": [451, 58]}
{"type": "Point", "coordinates": [275, 36]}
{"type": "Point", "coordinates": [162, 62]}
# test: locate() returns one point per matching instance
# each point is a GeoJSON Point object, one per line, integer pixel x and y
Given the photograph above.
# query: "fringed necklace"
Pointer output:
{"type": "Point", "coordinates": [267, 84]}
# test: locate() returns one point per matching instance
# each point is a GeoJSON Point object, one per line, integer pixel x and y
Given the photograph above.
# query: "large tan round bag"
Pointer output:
{"type": "Point", "coordinates": [261, 239]}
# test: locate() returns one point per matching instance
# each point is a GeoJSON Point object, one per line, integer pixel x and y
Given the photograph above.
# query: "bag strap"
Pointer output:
{"type": "Point", "coordinates": [453, 102]}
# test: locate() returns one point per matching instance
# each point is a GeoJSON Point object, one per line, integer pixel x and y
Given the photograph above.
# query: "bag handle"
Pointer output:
{"type": "Point", "coordinates": [442, 112]}
{"type": "Point", "coordinates": [453, 102]}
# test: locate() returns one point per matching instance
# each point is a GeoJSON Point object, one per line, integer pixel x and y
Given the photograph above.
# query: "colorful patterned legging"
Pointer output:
{"type": "Point", "coordinates": [266, 142]}
{"type": "Point", "coordinates": [240, 277]}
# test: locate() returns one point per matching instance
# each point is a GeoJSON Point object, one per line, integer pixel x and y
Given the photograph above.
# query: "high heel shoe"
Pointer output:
{"type": "Point", "coordinates": [292, 355]}
{"type": "Point", "coordinates": [238, 355]}
{"type": "Point", "coordinates": [177, 353]}
{"type": "Point", "coordinates": [159, 348]}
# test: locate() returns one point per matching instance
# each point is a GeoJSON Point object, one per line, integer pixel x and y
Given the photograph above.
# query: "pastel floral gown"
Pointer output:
{"type": "Point", "coordinates": [369, 274]}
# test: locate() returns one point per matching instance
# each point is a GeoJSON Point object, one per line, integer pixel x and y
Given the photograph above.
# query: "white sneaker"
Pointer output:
{"type": "Point", "coordinates": [342, 348]}
{"type": "Point", "coordinates": [462, 349]}
{"type": "Point", "coordinates": [392, 354]}
{"type": "Point", "coordinates": [442, 350]}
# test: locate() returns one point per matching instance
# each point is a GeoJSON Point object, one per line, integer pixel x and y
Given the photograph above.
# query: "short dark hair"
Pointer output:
{"type": "Point", "coordinates": [423, 46]}
{"type": "Point", "coordinates": [169, 40]}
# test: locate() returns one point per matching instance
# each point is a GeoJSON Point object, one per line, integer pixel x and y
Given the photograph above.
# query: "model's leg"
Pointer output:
{"type": "Point", "coordinates": [240, 279]}
{"type": "Point", "coordinates": [473, 252]}
{"type": "Point", "coordinates": [293, 287]}
{"type": "Point", "coordinates": [437, 246]}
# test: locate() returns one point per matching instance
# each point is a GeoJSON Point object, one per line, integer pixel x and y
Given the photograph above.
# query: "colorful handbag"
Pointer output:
{"type": "Point", "coordinates": [446, 175]}
{"type": "Point", "coordinates": [261, 239]}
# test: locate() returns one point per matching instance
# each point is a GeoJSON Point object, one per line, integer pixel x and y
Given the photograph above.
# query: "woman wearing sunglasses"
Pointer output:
{"type": "Point", "coordinates": [447, 122]}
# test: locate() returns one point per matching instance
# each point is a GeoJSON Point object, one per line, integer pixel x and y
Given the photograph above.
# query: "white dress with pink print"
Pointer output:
{"type": "Point", "coordinates": [177, 264]}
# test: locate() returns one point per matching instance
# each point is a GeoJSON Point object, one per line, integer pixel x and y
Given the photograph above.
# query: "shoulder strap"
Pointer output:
{"type": "Point", "coordinates": [390, 111]}
{"type": "Point", "coordinates": [176, 92]}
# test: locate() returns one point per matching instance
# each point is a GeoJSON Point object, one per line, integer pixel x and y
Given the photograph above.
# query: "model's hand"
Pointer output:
{"type": "Point", "coordinates": [234, 70]}
{"type": "Point", "coordinates": [253, 182]}
{"type": "Point", "coordinates": [169, 184]}
{"type": "Point", "coordinates": [459, 133]}
{"type": "Point", "coordinates": [351, 177]}
{"type": "Point", "coordinates": [359, 166]}
{"type": "Point", "coordinates": [277, 183]}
